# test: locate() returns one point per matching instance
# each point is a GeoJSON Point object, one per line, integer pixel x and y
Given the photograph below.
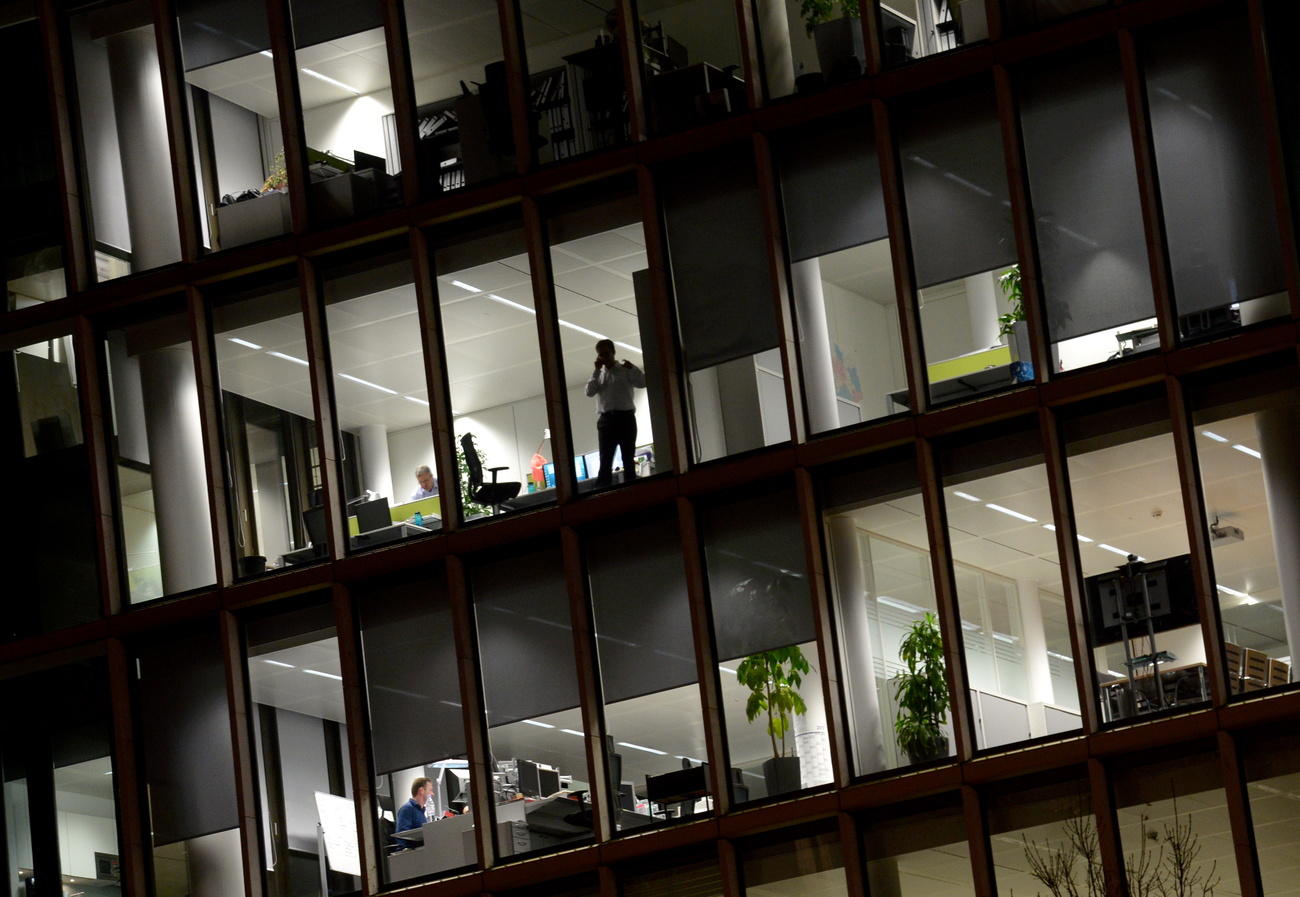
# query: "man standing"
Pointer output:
{"type": "Point", "coordinates": [410, 815]}
{"type": "Point", "coordinates": [428, 485]}
{"type": "Point", "coordinates": [612, 383]}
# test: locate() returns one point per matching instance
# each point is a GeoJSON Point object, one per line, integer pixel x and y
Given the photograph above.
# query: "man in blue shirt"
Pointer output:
{"type": "Point", "coordinates": [411, 814]}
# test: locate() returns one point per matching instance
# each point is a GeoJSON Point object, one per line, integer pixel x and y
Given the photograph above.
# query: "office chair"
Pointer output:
{"type": "Point", "coordinates": [493, 493]}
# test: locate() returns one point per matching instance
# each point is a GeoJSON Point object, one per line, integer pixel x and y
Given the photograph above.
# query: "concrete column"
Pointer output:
{"type": "Point", "coordinates": [814, 345]}
{"type": "Point", "coordinates": [179, 471]}
{"type": "Point", "coordinates": [146, 157]}
{"type": "Point", "coordinates": [778, 58]}
{"type": "Point", "coordinates": [376, 470]}
{"type": "Point", "coordinates": [984, 303]}
{"type": "Point", "coordinates": [1279, 446]}
{"type": "Point", "coordinates": [854, 584]}
{"type": "Point", "coordinates": [1033, 644]}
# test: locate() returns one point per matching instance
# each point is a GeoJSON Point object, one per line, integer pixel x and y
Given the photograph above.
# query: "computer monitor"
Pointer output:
{"type": "Point", "coordinates": [580, 467]}
{"type": "Point", "coordinates": [1114, 600]}
{"type": "Point", "coordinates": [314, 521]}
{"type": "Point", "coordinates": [548, 780]}
{"type": "Point", "coordinates": [362, 161]}
{"type": "Point", "coordinates": [372, 515]}
{"type": "Point", "coordinates": [548, 471]}
{"type": "Point", "coordinates": [592, 460]}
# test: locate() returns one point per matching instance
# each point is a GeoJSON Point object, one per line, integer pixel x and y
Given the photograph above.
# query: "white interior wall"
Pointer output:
{"type": "Point", "coordinates": [99, 137]}
{"type": "Point", "coordinates": [82, 835]}
{"type": "Point", "coordinates": [867, 334]}
{"type": "Point", "coordinates": [236, 133]}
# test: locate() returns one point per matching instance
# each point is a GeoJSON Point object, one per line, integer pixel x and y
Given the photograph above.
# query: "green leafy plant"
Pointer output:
{"type": "Point", "coordinates": [773, 679]}
{"type": "Point", "coordinates": [922, 690]}
{"type": "Point", "coordinates": [470, 508]}
{"type": "Point", "coordinates": [1010, 283]}
{"type": "Point", "coordinates": [278, 179]}
{"type": "Point", "coordinates": [815, 12]}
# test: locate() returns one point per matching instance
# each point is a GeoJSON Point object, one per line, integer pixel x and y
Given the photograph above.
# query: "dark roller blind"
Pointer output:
{"type": "Point", "coordinates": [830, 186]}
{"type": "Point", "coordinates": [185, 723]}
{"type": "Point", "coordinates": [410, 664]}
{"type": "Point", "coordinates": [215, 31]}
{"type": "Point", "coordinates": [715, 242]}
{"type": "Point", "coordinates": [954, 174]}
{"type": "Point", "coordinates": [643, 620]}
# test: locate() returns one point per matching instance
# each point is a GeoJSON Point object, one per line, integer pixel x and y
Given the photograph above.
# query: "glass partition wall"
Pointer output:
{"type": "Point", "coordinates": [1043, 835]}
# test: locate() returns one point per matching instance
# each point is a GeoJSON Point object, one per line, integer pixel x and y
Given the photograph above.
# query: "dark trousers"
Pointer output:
{"type": "Point", "coordinates": [616, 429]}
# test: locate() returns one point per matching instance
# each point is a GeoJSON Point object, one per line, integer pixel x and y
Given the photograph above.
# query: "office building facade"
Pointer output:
{"type": "Point", "coordinates": [740, 447]}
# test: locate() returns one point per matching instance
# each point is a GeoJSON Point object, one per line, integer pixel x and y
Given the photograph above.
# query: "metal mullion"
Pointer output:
{"type": "Point", "coordinates": [630, 56]}
{"type": "Point", "coordinates": [293, 132]}
{"type": "Point", "coordinates": [900, 250]}
{"type": "Point", "coordinates": [823, 619]}
{"type": "Point", "coordinates": [424, 270]}
{"type": "Point", "coordinates": [995, 15]}
{"type": "Point", "coordinates": [1067, 548]}
{"type": "Point", "coordinates": [1022, 221]}
{"type": "Point", "coordinates": [591, 695]}
{"type": "Point", "coordinates": [176, 113]}
{"type": "Point", "coordinates": [212, 428]}
{"type": "Point", "coordinates": [133, 839]}
{"type": "Point", "coordinates": [1198, 539]}
{"type": "Point", "coordinates": [322, 395]}
{"type": "Point", "coordinates": [977, 836]}
{"type": "Point", "coordinates": [706, 658]}
{"type": "Point", "coordinates": [1237, 798]}
{"type": "Point", "coordinates": [751, 54]}
{"type": "Point", "coordinates": [871, 35]}
{"type": "Point", "coordinates": [402, 83]}
{"type": "Point", "coordinates": [352, 668]}
{"type": "Point", "coordinates": [552, 352]}
{"type": "Point", "coordinates": [515, 50]}
{"type": "Point", "coordinates": [1153, 220]}
{"type": "Point", "coordinates": [1110, 846]}
{"type": "Point", "coordinates": [778, 272]}
{"type": "Point", "coordinates": [945, 592]}
{"type": "Point", "coordinates": [242, 752]}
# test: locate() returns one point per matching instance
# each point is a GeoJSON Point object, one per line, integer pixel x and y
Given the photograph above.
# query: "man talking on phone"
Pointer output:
{"type": "Point", "coordinates": [612, 383]}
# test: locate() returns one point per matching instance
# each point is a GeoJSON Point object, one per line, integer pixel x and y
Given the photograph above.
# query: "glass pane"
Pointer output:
{"type": "Point", "coordinates": [272, 459]}
{"type": "Point", "coordinates": [1272, 761]}
{"type": "Point", "coordinates": [726, 321]}
{"type": "Point", "coordinates": [381, 396]}
{"type": "Point", "coordinates": [648, 676]}
{"type": "Point", "coordinates": [1015, 635]}
{"type": "Point", "coordinates": [694, 871]}
{"type": "Point", "coordinates": [1044, 836]}
{"type": "Point", "coordinates": [161, 468]}
{"type": "Point", "coordinates": [794, 862]}
{"type": "Point", "coordinates": [766, 645]}
{"type": "Point", "coordinates": [1128, 507]}
{"type": "Point", "coordinates": [49, 478]}
{"type": "Point", "coordinates": [234, 121]}
{"type": "Point", "coordinates": [842, 276]}
{"type": "Point", "coordinates": [124, 139]}
{"type": "Point", "coordinates": [1281, 19]}
{"type": "Point", "coordinates": [463, 113]}
{"type": "Point", "coordinates": [911, 29]}
{"type": "Point", "coordinates": [919, 850]}
{"type": "Point", "coordinates": [575, 78]}
{"type": "Point", "coordinates": [416, 732]}
{"type": "Point", "coordinates": [1213, 168]}
{"type": "Point", "coordinates": [1173, 825]}
{"type": "Point", "coordinates": [347, 108]}
{"type": "Point", "coordinates": [31, 230]}
{"type": "Point", "coordinates": [1247, 420]}
{"type": "Point", "coordinates": [954, 174]}
{"type": "Point", "coordinates": [300, 738]}
{"type": "Point", "coordinates": [691, 55]}
{"type": "Point", "coordinates": [1091, 243]}
{"type": "Point", "coordinates": [879, 556]}
{"type": "Point", "coordinates": [602, 293]}
{"type": "Point", "coordinates": [1027, 14]}
{"type": "Point", "coordinates": [809, 46]}
{"type": "Point", "coordinates": [494, 365]}
{"type": "Point", "coordinates": [530, 691]}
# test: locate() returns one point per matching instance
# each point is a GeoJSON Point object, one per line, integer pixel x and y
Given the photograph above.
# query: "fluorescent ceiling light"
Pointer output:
{"type": "Point", "coordinates": [1082, 538]}
{"type": "Point", "coordinates": [1050, 526]}
{"type": "Point", "coordinates": [464, 286]}
{"type": "Point", "coordinates": [322, 675]}
{"type": "Point", "coordinates": [279, 663]}
{"type": "Point", "coordinates": [637, 747]}
{"type": "Point", "coordinates": [416, 401]}
{"type": "Point", "coordinates": [1235, 594]}
{"type": "Point", "coordinates": [1112, 549]}
{"type": "Point", "coordinates": [1011, 513]}
{"type": "Point", "coordinates": [1215, 436]}
{"type": "Point", "coordinates": [573, 732]}
{"type": "Point", "coordinates": [965, 495]}
{"type": "Point", "coordinates": [391, 392]}
{"type": "Point", "coordinates": [328, 80]}
{"type": "Point", "coordinates": [533, 722]}
{"type": "Point", "coordinates": [109, 773]}
{"type": "Point", "coordinates": [727, 670]}
{"type": "Point", "coordinates": [1246, 450]}
{"type": "Point", "coordinates": [243, 342]}
{"type": "Point", "coordinates": [900, 605]}
{"type": "Point", "coordinates": [583, 330]}
{"type": "Point", "coordinates": [1117, 675]}
{"type": "Point", "coordinates": [288, 358]}
{"type": "Point", "coordinates": [268, 54]}
{"type": "Point", "coordinates": [510, 302]}
{"type": "Point", "coordinates": [1064, 657]}
{"type": "Point", "coordinates": [627, 346]}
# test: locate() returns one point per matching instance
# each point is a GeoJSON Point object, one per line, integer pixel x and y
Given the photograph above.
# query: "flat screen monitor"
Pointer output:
{"type": "Point", "coordinates": [372, 515]}
{"type": "Point", "coordinates": [580, 467]}
{"type": "Point", "coordinates": [1114, 600]}
{"type": "Point", "coordinates": [362, 161]}
{"type": "Point", "coordinates": [593, 464]}
{"type": "Point", "coordinates": [548, 779]}
{"type": "Point", "coordinates": [314, 521]}
{"type": "Point", "coordinates": [548, 471]}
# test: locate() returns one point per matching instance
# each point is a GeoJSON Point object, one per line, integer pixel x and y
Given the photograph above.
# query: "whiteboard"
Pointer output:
{"type": "Point", "coordinates": [339, 822]}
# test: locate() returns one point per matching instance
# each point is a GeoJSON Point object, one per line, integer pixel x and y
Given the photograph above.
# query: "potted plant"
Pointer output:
{"type": "Point", "coordinates": [1012, 325]}
{"type": "Point", "coordinates": [922, 693]}
{"type": "Point", "coordinates": [834, 26]}
{"type": "Point", "coordinates": [773, 679]}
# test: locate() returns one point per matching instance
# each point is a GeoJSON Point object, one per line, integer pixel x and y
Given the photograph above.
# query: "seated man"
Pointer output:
{"type": "Point", "coordinates": [428, 486]}
{"type": "Point", "coordinates": [410, 815]}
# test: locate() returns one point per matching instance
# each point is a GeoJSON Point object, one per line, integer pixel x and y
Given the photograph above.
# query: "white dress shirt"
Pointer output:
{"type": "Point", "coordinates": [613, 386]}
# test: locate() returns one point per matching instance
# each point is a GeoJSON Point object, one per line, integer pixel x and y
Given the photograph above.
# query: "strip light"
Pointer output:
{"type": "Point", "coordinates": [1246, 450]}
{"type": "Point", "coordinates": [1215, 436]}
{"type": "Point", "coordinates": [288, 358]}
{"type": "Point", "coordinates": [243, 342]}
{"type": "Point", "coordinates": [322, 675]}
{"type": "Point", "coordinates": [385, 389]}
{"type": "Point", "coordinates": [1011, 513]}
{"type": "Point", "coordinates": [1235, 594]}
{"type": "Point", "coordinates": [533, 722]}
{"type": "Point", "coordinates": [965, 495]}
{"type": "Point", "coordinates": [637, 747]}
{"type": "Point", "coordinates": [328, 80]}
{"type": "Point", "coordinates": [279, 663]}
{"type": "Point", "coordinates": [573, 732]}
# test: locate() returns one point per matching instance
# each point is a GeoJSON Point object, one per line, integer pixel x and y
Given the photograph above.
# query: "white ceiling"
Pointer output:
{"type": "Point", "coordinates": [867, 270]}
{"type": "Point", "coordinates": [92, 778]}
{"type": "Point", "coordinates": [281, 679]}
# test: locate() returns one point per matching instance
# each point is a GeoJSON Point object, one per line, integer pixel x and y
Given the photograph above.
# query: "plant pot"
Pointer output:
{"type": "Point", "coordinates": [781, 775]}
{"type": "Point", "coordinates": [937, 751]}
{"type": "Point", "coordinates": [840, 51]}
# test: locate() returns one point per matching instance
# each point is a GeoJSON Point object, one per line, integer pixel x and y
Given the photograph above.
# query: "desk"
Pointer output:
{"type": "Point", "coordinates": [964, 386]}
{"type": "Point", "coordinates": [373, 539]}
{"type": "Point", "coordinates": [1181, 686]}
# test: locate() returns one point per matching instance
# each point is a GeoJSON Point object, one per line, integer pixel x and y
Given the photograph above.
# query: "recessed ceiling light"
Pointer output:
{"type": "Point", "coordinates": [384, 389]}
{"type": "Point", "coordinates": [510, 302]}
{"type": "Point", "coordinates": [288, 358]}
{"type": "Point", "coordinates": [1247, 599]}
{"type": "Point", "coordinates": [965, 495]}
{"type": "Point", "coordinates": [627, 346]}
{"type": "Point", "coordinates": [573, 732]}
{"type": "Point", "coordinates": [328, 80]}
{"type": "Point", "coordinates": [1011, 513]}
{"type": "Point", "coordinates": [1215, 436]}
{"type": "Point", "coordinates": [243, 342]}
{"type": "Point", "coordinates": [583, 330]}
{"type": "Point", "coordinates": [637, 747]}
{"type": "Point", "coordinates": [416, 401]}
{"type": "Point", "coordinates": [322, 675]}
{"type": "Point", "coordinates": [278, 663]}
{"type": "Point", "coordinates": [533, 722]}
{"type": "Point", "coordinates": [464, 286]}
{"type": "Point", "coordinates": [727, 670]}
{"type": "Point", "coordinates": [1112, 549]}
{"type": "Point", "coordinates": [1246, 450]}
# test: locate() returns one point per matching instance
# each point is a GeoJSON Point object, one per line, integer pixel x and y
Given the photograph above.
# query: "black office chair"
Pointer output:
{"type": "Point", "coordinates": [494, 494]}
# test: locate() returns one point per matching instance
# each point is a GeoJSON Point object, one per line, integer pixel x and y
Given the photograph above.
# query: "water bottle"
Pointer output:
{"type": "Point", "coordinates": [419, 519]}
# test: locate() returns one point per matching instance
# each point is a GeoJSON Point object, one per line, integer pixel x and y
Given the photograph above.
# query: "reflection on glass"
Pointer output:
{"type": "Point", "coordinates": [494, 365]}
{"type": "Point", "coordinates": [234, 116]}
{"type": "Point", "coordinates": [910, 29]}
{"type": "Point", "coordinates": [617, 416]}
{"type": "Point", "coordinates": [802, 861]}
{"type": "Point", "coordinates": [31, 229]}
{"type": "Point", "coordinates": [884, 594]}
{"type": "Point", "coordinates": [381, 396]}
{"type": "Point", "coordinates": [769, 659]}
{"type": "Point", "coordinates": [416, 731]}
{"type": "Point", "coordinates": [694, 871]}
{"type": "Point", "coordinates": [842, 277]}
{"type": "Point", "coordinates": [1015, 635]}
{"type": "Point", "coordinates": [530, 691]}
{"type": "Point", "coordinates": [1272, 761]}
{"type": "Point", "coordinates": [300, 736]}
{"type": "Point", "coordinates": [158, 443]}
{"type": "Point", "coordinates": [1149, 655]}
{"type": "Point", "coordinates": [919, 850]}
{"type": "Point", "coordinates": [272, 458]}
{"type": "Point", "coordinates": [124, 139]}
{"type": "Point", "coordinates": [648, 676]}
{"type": "Point", "coordinates": [691, 59]}
{"type": "Point", "coordinates": [1044, 836]}
{"type": "Point", "coordinates": [806, 48]}
{"type": "Point", "coordinates": [48, 476]}
{"type": "Point", "coordinates": [1246, 422]}
{"type": "Point", "coordinates": [1033, 13]}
